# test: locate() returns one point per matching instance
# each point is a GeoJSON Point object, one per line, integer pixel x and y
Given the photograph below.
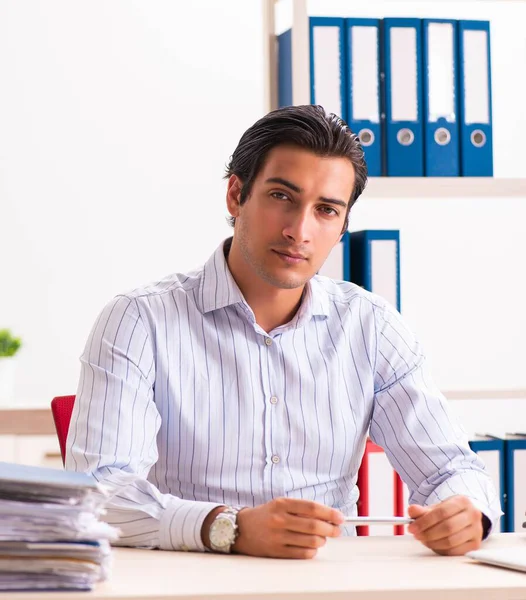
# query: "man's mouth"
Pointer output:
{"type": "Point", "coordinates": [291, 257]}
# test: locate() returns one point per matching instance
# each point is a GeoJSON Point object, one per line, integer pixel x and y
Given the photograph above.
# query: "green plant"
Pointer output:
{"type": "Point", "coordinates": [9, 345]}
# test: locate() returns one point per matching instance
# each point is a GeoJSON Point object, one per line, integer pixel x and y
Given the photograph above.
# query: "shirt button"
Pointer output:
{"type": "Point", "coordinates": [275, 459]}
{"type": "Point", "coordinates": [268, 341]}
{"type": "Point", "coordinates": [273, 400]}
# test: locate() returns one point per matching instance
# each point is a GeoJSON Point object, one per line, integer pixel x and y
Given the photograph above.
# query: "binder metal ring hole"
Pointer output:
{"type": "Point", "coordinates": [478, 138]}
{"type": "Point", "coordinates": [405, 137]}
{"type": "Point", "coordinates": [366, 137]}
{"type": "Point", "coordinates": [442, 136]}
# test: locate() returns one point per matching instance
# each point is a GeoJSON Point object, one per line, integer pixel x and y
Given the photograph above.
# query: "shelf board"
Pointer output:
{"type": "Point", "coordinates": [26, 421]}
{"type": "Point", "coordinates": [445, 187]}
{"type": "Point", "coordinates": [509, 394]}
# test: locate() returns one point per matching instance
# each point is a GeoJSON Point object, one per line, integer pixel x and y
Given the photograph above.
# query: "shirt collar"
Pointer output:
{"type": "Point", "coordinates": [319, 298]}
{"type": "Point", "coordinates": [218, 289]}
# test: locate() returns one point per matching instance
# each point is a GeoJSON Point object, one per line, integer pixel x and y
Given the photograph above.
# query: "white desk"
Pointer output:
{"type": "Point", "coordinates": [366, 568]}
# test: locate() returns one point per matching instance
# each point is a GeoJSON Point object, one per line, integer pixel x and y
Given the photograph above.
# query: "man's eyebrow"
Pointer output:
{"type": "Point", "coordinates": [284, 182]}
{"type": "Point", "coordinates": [334, 201]}
{"type": "Point", "coordinates": [298, 190]}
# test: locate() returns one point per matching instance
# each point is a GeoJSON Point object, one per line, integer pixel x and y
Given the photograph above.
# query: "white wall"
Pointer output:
{"type": "Point", "coordinates": [117, 119]}
{"type": "Point", "coordinates": [463, 284]}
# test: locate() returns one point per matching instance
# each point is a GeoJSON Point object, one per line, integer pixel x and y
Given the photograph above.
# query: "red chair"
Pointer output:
{"type": "Point", "coordinates": [61, 408]}
{"type": "Point", "coordinates": [363, 486]}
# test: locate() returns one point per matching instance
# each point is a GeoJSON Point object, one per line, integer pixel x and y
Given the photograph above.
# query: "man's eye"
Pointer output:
{"type": "Point", "coordinates": [279, 196]}
{"type": "Point", "coordinates": [328, 210]}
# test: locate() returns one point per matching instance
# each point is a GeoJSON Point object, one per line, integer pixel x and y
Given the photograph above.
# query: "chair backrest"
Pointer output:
{"type": "Point", "coordinates": [62, 407]}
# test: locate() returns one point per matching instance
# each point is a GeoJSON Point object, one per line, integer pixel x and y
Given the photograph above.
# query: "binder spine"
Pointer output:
{"type": "Point", "coordinates": [404, 131]}
{"type": "Point", "coordinates": [441, 122]}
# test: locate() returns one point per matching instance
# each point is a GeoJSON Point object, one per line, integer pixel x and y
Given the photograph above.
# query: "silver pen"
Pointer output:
{"type": "Point", "coordinates": [378, 520]}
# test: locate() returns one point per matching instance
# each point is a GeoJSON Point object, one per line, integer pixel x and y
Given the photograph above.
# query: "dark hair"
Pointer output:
{"type": "Point", "coordinates": [308, 127]}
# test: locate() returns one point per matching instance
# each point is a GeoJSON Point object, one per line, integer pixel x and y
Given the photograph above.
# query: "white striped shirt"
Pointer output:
{"type": "Point", "coordinates": [184, 404]}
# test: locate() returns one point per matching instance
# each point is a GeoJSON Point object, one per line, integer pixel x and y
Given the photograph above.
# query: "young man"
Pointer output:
{"type": "Point", "coordinates": [228, 408]}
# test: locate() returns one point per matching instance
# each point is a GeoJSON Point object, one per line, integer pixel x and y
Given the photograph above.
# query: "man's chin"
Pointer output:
{"type": "Point", "coordinates": [286, 283]}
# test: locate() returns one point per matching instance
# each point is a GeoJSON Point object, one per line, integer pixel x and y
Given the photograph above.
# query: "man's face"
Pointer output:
{"type": "Point", "coordinates": [294, 215]}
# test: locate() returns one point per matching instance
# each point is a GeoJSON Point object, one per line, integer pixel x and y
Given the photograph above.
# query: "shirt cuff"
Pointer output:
{"type": "Point", "coordinates": [491, 515]}
{"type": "Point", "coordinates": [486, 526]}
{"type": "Point", "coordinates": [181, 523]}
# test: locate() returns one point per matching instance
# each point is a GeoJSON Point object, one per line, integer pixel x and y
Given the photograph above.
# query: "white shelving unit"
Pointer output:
{"type": "Point", "coordinates": [444, 187]}
{"type": "Point", "coordinates": [378, 187]}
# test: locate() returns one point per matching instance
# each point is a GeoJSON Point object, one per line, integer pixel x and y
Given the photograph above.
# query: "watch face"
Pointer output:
{"type": "Point", "coordinates": [222, 533]}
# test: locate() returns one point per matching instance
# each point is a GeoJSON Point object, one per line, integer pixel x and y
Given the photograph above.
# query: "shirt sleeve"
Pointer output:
{"type": "Point", "coordinates": [113, 434]}
{"type": "Point", "coordinates": [413, 422]}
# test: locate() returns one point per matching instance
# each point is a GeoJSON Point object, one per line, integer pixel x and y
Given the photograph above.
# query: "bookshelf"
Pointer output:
{"type": "Point", "coordinates": [378, 187]}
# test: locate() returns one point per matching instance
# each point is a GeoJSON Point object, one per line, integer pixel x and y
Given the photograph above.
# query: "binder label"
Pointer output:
{"type": "Point", "coordinates": [364, 74]}
{"type": "Point", "coordinates": [441, 69]}
{"type": "Point", "coordinates": [476, 77]}
{"type": "Point", "coordinates": [404, 77]}
{"type": "Point", "coordinates": [327, 76]}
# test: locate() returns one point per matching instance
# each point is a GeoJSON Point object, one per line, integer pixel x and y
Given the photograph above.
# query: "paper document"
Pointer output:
{"type": "Point", "coordinates": [509, 558]}
{"type": "Point", "coordinates": [51, 537]}
{"type": "Point", "coordinates": [38, 484]}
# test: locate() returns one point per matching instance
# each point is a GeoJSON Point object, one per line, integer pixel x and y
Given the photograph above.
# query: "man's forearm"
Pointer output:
{"type": "Point", "coordinates": [148, 518]}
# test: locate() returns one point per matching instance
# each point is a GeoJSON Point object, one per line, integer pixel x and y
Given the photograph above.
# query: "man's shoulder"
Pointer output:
{"type": "Point", "coordinates": [346, 292]}
{"type": "Point", "coordinates": [174, 282]}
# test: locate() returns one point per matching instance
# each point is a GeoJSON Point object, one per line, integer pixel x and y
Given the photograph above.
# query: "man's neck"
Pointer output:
{"type": "Point", "coordinates": [272, 306]}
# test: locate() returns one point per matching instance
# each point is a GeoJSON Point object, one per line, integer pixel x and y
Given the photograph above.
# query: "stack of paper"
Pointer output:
{"type": "Point", "coordinates": [50, 533]}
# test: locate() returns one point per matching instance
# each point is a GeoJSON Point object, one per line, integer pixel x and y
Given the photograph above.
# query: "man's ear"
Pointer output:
{"type": "Point", "coordinates": [233, 195]}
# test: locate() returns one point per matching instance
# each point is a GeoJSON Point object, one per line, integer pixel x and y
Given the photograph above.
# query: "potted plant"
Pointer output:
{"type": "Point", "coordinates": [9, 346]}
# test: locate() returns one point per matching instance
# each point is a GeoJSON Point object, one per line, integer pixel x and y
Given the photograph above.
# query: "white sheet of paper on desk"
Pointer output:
{"type": "Point", "coordinates": [509, 558]}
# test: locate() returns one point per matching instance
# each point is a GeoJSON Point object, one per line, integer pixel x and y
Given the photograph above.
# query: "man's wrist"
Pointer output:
{"type": "Point", "coordinates": [236, 549]}
{"type": "Point", "coordinates": [209, 519]}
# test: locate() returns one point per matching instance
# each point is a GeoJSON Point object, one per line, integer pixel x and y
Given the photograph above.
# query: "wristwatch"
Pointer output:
{"type": "Point", "coordinates": [224, 530]}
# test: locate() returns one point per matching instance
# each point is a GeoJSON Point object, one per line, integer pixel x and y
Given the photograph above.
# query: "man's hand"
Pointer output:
{"type": "Point", "coordinates": [452, 527]}
{"type": "Point", "coordinates": [286, 528]}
